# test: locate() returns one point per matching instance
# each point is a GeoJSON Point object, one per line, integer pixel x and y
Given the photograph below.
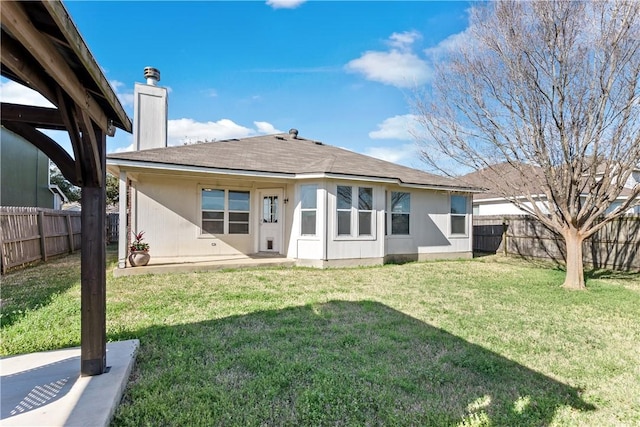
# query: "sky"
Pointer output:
{"type": "Point", "coordinates": [340, 72]}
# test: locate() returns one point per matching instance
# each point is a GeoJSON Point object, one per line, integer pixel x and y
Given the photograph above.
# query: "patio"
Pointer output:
{"type": "Point", "coordinates": [182, 265]}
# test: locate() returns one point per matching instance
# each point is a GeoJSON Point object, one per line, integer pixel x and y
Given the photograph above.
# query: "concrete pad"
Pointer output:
{"type": "Point", "coordinates": [46, 389]}
{"type": "Point", "coordinates": [168, 265]}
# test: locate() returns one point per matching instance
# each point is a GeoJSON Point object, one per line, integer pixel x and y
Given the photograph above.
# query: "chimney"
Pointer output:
{"type": "Point", "coordinates": [293, 133]}
{"type": "Point", "coordinates": [150, 112]}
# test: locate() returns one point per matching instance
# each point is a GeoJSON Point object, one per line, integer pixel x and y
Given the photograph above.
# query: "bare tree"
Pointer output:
{"type": "Point", "coordinates": [549, 89]}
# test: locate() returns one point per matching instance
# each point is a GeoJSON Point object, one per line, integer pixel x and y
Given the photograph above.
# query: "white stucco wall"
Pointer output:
{"type": "Point", "coordinates": [430, 227]}
{"type": "Point", "coordinates": [168, 210]}
{"type": "Point", "coordinates": [496, 208]}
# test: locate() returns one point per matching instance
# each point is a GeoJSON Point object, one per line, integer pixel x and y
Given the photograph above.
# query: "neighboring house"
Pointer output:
{"type": "Point", "coordinates": [318, 204]}
{"type": "Point", "coordinates": [24, 174]}
{"type": "Point", "coordinates": [491, 202]}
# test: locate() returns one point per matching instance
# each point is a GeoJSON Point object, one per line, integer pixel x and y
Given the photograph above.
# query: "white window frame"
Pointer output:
{"type": "Point", "coordinates": [464, 215]}
{"type": "Point", "coordinates": [314, 209]}
{"type": "Point", "coordinates": [226, 213]}
{"type": "Point", "coordinates": [403, 212]}
{"type": "Point", "coordinates": [354, 215]}
{"type": "Point", "coordinates": [348, 210]}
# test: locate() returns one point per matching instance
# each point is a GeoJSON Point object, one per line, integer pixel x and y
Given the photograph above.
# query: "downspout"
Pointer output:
{"type": "Point", "coordinates": [326, 223]}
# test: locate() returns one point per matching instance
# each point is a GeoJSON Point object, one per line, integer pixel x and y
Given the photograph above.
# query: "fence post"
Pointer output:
{"type": "Point", "coordinates": [504, 236]}
{"type": "Point", "coordinates": [70, 234]}
{"type": "Point", "coordinates": [43, 238]}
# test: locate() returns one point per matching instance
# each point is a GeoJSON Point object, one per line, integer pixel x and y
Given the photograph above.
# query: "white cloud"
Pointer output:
{"type": "Point", "coordinates": [124, 149]}
{"type": "Point", "coordinates": [266, 128]}
{"type": "Point", "coordinates": [398, 66]}
{"type": "Point", "coordinates": [401, 69]}
{"type": "Point", "coordinates": [396, 154]}
{"type": "Point", "coordinates": [403, 41]}
{"type": "Point", "coordinates": [284, 4]}
{"type": "Point", "coordinates": [125, 96]}
{"type": "Point", "coordinates": [15, 93]}
{"type": "Point", "coordinates": [396, 127]}
{"type": "Point", "coordinates": [453, 43]}
{"type": "Point", "coordinates": [183, 131]}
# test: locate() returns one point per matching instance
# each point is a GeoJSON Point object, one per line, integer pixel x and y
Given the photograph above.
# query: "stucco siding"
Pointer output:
{"type": "Point", "coordinates": [430, 227]}
{"type": "Point", "coordinates": [355, 246]}
{"type": "Point", "coordinates": [168, 210]}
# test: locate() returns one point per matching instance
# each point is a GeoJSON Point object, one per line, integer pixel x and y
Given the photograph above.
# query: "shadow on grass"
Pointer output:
{"type": "Point", "coordinates": [338, 363]}
{"type": "Point", "coordinates": [36, 286]}
{"type": "Point", "coordinates": [598, 273]}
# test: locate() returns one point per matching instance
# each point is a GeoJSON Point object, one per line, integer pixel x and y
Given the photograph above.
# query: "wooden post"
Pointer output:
{"type": "Point", "coordinates": [70, 234]}
{"type": "Point", "coordinates": [43, 238]}
{"type": "Point", "coordinates": [505, 226]}
{"type": "Point", "coordinates": [93, 272]}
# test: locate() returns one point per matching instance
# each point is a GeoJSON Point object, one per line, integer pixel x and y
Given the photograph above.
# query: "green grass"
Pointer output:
{"type": "Point", "coordinates": [490, 341]}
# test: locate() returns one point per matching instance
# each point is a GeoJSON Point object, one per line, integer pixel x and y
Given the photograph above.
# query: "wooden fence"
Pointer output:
{"type": "Point", "coordinates": [615, 246]}
{"type": "Point", "coordinates": [33, 234]}
{"type": "Point", "coordinates": [112, 227]}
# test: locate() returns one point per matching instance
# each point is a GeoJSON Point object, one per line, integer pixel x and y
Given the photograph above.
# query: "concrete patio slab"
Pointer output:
{"type": "Point", "coordinates": [177, 265]}
{"type": "Point", "coordinates": [46, 389]}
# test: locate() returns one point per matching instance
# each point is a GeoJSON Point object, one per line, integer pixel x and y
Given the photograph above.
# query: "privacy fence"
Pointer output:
{"type": "Point", "coordinates": [33, 234]}
{"type": "Point", "coordinates": [616, 246]}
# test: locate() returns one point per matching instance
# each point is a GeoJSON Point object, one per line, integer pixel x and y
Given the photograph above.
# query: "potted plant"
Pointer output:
{"type": "Point", "coordinates": [138, 250]}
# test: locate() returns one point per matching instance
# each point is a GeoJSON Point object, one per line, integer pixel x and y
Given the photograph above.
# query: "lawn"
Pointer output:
{"type": "Point", "coordinates": [489, 341]}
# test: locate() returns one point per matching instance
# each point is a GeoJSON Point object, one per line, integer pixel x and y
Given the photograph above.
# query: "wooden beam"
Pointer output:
{"type": "Point", "coordinates": [93, 337]}
{"type": "Point", "coordinates": [93, 170]}
{"type": "Point", "coordinates": [15, 19]}
{"type": "Point", "coordinates": [67, 113]}
{"type": "Point", "coordinates": [76, 43]}
{"type": "Point", "coordinates": [48, 146]}
{"type": "Point", "coordinates": [18, 60]}
{"type": "Point", "coordinates": [40, 117]}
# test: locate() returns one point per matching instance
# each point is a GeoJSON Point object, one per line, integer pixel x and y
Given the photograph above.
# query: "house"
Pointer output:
{"type": "Point", "coordinates": [318, 204]}
{"type": "Point", "coordinates": [24, 174]}
{"type": "Point", "coordinates": [503, 178]}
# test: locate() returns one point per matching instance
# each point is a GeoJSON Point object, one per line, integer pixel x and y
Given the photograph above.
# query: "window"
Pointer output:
{"type": "Point", "coordinates": [400, 210]}
{"type": "Point", "coordinates": [239, 212]}
{"type": "Point", "coordinates": [458, 214]}
{"type": "Point", "coordinates": [308, 207]}
{"type": "Point", "coordinates": [354, 218]}
{"type": "Point", "coordinates": [344, 210]}
{"type": "Point", "coordinates": [225, 211]}
{"type": "Point", "coordinates": [213, 211]}
{"type": "Point", "coordinates": [365, 210]}
{"type": "Point", "coordinates": [270, 209]}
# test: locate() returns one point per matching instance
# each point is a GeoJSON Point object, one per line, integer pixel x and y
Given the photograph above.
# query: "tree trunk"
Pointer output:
{"type": "Point", "coordinates": [575, 267]}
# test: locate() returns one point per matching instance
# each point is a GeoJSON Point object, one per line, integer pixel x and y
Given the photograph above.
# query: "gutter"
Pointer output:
{"type": "Point", "coordinates": [284, 175]}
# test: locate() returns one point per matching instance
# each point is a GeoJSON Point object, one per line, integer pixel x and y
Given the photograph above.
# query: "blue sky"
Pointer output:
{"type": "Point", "coordinates": [339, 72]}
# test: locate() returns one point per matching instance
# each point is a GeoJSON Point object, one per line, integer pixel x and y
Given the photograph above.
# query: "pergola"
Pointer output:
{"type": "Point", "coordinates": [42, 49]}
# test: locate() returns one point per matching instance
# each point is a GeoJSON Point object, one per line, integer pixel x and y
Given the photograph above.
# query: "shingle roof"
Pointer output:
{"type": "Point", "coordinates": [504, 178]}
{"type": "Point", "coordinates": [284, 154]}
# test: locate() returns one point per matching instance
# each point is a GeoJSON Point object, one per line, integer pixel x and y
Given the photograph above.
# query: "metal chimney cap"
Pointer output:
{"type": "Point", "coordinates": [293, 133]}
{"type": "Point", "coordinates": [152, 75]}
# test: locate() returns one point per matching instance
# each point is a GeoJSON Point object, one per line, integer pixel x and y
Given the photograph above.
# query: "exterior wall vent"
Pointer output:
{"type": "Point", "coordinates": [152, 75]}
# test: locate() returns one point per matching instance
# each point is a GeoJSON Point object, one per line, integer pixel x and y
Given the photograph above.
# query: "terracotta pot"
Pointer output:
{"type": "Point", "coordinates": [139, 258]}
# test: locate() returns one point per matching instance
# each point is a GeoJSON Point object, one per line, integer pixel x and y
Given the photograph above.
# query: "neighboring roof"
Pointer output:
{"type": "Point", "coordinates": [506, 177]}
{"type": "Point", "coordinates": [283, 154]}
{"type": "Point", "coordinates": [510, 180]}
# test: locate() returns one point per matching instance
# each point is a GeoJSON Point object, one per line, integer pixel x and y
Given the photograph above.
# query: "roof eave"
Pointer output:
{"type": "Point", "coordinates": [118, 164]}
